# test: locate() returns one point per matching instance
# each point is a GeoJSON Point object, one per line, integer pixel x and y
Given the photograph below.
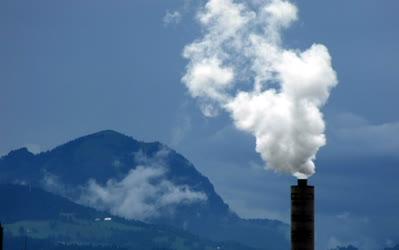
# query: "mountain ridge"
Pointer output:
{"type": "Point", "coordinates": [110, 157]}
{"type": "Point", "coordinates": [55, 219]}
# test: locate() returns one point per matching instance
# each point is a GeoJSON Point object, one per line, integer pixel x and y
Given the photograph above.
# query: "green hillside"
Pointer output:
{"type": "Point", "coordinates": [45, 217]}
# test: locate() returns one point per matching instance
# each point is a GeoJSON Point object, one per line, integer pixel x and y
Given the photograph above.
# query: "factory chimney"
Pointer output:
{"type": "Point", "coordinates": [302, 216]}
{"type": "Point", "coordinates": [1, 237]}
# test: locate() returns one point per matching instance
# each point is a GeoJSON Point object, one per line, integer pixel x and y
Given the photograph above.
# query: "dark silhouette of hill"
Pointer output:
{"type": "Point", "coordinates": [392, 248]}
{"type": "Point", "coordinates": [30, 203]}
{"type": "Point", "coordinates": [18, 243]}
{"type": "Point", "coordinates": [53, 222]}
{"type": "Point", "coordinates": [349, 247]}
{"type": "Point", "coordinates": [110, 155]}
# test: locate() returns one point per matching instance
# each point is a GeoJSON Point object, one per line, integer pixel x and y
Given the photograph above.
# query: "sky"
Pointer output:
{"type": "Point", "coordinates": [70, 68]}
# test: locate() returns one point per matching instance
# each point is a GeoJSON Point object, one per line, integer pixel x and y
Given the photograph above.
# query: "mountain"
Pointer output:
{"type": "Point", "coordinates": [392, 248]}
{"type": "Point", "coordinates": [18, 243]}
{"type": "Point", "coordinates": [27, 203]}
{"type": "Point", "coordinates": [53, 222]}
{"type": "Point", "coordinates": [349, 247]}
{"type": "Point", "coordinates": [118, 174]}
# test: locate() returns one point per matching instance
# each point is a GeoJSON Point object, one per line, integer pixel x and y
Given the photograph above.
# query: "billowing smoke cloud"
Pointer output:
{"type": "Point", "coordinates": [239, 65]}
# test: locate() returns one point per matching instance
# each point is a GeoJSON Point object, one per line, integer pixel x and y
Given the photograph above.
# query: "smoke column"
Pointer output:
{"type": "Point", "coordinates": [239, 65]}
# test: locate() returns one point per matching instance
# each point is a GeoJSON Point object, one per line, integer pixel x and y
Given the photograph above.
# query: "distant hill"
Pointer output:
{"type": "Point", "coordinates": [53, 222]}
{"type": "Point", "coordinates": [29, 203]}
{"type": "Point", "coordinates": [18, 243]}
{"type": "Point", "coordinates": [109, 155]}
{"type": "Point", "coordinates": [350, 247]}
{"type": "Point", "coordinates": [392, 248]}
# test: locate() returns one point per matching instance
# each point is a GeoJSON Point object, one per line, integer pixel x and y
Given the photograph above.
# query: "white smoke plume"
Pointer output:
{"type": "Point", "coordinates": [240, 65]}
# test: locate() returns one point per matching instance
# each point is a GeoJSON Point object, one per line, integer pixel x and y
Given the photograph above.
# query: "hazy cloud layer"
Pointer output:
{"type": "Point", "coordinates": [144, 193]}
{"type": "Point", "coordinates": [172, 17]}
{"type": "Point", "coordinates": [180, 130]}
{"type": "Point", "coordinates": [33, 148]}
{"type": "Point", "coordinates": [53, 183]}
{"type": "Point", "coordinates": [239, 65]}
{"type": "Point", "coordinates": [175, 16]}
{"type": "Point", "coordinates": [354, 135]}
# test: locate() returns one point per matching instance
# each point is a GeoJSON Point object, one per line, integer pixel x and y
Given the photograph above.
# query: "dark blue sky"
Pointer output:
{"type": "Point", "coordinates": [69, 68]}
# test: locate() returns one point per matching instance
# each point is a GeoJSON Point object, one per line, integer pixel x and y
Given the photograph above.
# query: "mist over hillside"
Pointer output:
{"type": "Point", "coordinates": [134, 180]}
{"type": "Point", "coordinates": [36, 219]}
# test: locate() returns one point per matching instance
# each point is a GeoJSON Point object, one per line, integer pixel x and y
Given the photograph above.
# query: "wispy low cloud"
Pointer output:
{"type": "Point", "coordinates": [172, 17]}
{"type": "Point", "coordinates": [53, 183]}
{"type": "Point", "coordinates": [33, 148]}
{"type": "Point", "coordinates": [182, 126]}
{"type": "Point", "coordinates": [180, 131]}
{"type": "Point", "coordinates": [354, 230]}
{"type": "Point", "coordinates": [335, 243]}
{"type": "Point", "coordinates": [356, 135]}
{"type": "Point", "coordinates": [176, 16]}
{"type": "Point", "coordinates": [142, 194]}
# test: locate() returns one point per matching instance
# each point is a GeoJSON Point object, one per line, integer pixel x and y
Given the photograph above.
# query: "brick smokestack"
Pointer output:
{"type": "Point", "coordinates": [302, 216]}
